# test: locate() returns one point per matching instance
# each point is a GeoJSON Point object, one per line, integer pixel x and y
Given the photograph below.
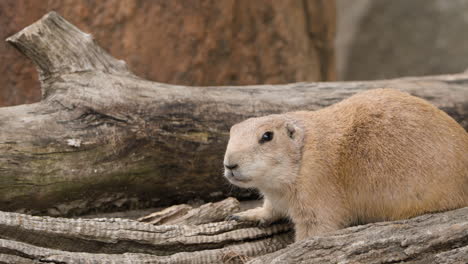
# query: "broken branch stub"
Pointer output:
{"type": "Point", "coordinates": [57, 47]}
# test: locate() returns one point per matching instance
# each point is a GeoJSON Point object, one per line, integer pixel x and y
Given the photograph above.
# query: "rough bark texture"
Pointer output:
{"type": "Point", "coordinates": [45, 239]}
{"type": "Point", "coordinates": [186, 215]}
{"type": "Point", "coordinates": [203, 42]}
{"type": "Point", "coordinates": [104, 138]}
{"type": "Point", "coordinates": [436, 238]}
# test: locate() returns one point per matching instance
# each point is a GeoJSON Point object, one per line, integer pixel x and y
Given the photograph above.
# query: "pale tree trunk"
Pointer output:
{"type": "Point", "coordinates": [103, 138]}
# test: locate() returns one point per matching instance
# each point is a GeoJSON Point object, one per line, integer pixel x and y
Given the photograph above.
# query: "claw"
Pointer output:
{"type": "Point", "coordinates": [233, 218]}
{"type": "Point", "coordinates": [263, 223]}
{"type": "Point", "coordinates": [260, 223]}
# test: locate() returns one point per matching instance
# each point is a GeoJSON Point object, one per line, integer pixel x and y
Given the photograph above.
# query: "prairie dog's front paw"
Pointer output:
{"type": "Point", "coordinates": [259, 215]}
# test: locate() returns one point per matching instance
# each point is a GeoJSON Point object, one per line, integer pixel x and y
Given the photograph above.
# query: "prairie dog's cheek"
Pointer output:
{"type": "Point", "coordinates": [257, 169]}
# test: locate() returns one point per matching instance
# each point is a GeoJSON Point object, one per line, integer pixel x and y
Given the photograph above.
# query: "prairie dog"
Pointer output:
{"type": "Point", "coordinates": [378, 155]}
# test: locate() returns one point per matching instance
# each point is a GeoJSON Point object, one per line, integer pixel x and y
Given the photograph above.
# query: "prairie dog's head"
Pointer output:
{"type": "Point", "coordinates": [264, 152]}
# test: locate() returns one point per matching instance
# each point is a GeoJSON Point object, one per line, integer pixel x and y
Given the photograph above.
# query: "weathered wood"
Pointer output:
{"type": "Point", "coordinates": [127, 241]}
{"type": "Point", "coordinates": [115, 235]}
{"type": "Point", "coordinates": [104, 138]}
{"type": "Point", "coordinates": [167, 215]}
{"type": "Point", "coordinates": [432, 238]}
{"type": "Point", "coordinates": [230, 254]}
{"type": "Point", "coordinates": [437, 238]}
{"type": "Point", "coordinates": [184, 214]}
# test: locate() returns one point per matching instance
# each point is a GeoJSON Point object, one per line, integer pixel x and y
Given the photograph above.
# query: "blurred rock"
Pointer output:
{"type": "Point", "coordinates": [385, 39]}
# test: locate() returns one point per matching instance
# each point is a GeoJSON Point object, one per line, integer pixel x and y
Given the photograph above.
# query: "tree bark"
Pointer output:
{"type": "Point", "coordinates": [432, 238]}
{"type": "Point", "coordinates": [438, 238]}
{"type": "Point", "coordinates": [103, 138]}
{"type": "Point", "coordinates": [186, 215]}
{"type": "Point", "coordinates": [126, 241]}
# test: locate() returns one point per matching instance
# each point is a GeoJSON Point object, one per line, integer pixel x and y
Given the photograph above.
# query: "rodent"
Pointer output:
{"type": "Point", "coordinates": [379, 155]}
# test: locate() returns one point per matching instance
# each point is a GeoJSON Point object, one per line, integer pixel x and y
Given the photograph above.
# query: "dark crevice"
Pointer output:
{"type": "Point", "coordinates": [71, 108]}
{"type": "Point", "coordinates": [94, 115]}
{"type": "Point", "coordinates": [14, 252]}
{"type": "Point", "coordinates": [52, 261]}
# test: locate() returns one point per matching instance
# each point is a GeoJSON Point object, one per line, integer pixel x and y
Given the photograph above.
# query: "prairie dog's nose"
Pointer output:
{"type": "Point", "coordinates": [231, 167]}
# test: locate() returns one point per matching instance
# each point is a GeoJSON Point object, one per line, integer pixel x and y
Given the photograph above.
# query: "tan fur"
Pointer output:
{"type": "Point", "coordinates": [378, 155]}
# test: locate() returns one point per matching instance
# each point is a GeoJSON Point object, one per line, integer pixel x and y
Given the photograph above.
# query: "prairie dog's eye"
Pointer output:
{"type": "Point", "coordinates": [267, 136]}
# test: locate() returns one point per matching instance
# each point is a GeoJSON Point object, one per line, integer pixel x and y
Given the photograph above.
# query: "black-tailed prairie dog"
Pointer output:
{"type": "Point", "coordinates": [378, 155]}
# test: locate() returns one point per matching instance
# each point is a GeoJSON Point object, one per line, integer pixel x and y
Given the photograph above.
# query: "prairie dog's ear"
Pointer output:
{"type": "Point", "coordinates": [295, 132]}
{"type": "Point", "coordinates": [291, 130]}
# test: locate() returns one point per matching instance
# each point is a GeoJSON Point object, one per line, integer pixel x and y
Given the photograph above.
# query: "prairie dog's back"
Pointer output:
{"type": "Point", "coordinates": [390, 154]}
{"type": "Point", "coordinates": [378, 155]}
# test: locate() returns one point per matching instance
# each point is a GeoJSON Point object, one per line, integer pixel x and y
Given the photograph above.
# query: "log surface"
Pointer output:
{"type": "Point", "coordinates": [437, 238]}
{"type": "Point", "coordinates": [102, 138]}
{"type": "Point", "coordinates": [186, 215]}
{"type": "Point", "coordinates": [34, 239]}
{"type": "Point", "coordinates": [432, 238]}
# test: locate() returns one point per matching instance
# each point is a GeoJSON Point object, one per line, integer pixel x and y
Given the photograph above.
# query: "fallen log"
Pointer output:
{"type": "Point", "coordinates": [102, 138]}
{"type": "Point", "coordinates": [115, 240]}
{"type": "Point", "coordinates": [436, 238]}
{"type": "Point", "coordinates": [432, 238]}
